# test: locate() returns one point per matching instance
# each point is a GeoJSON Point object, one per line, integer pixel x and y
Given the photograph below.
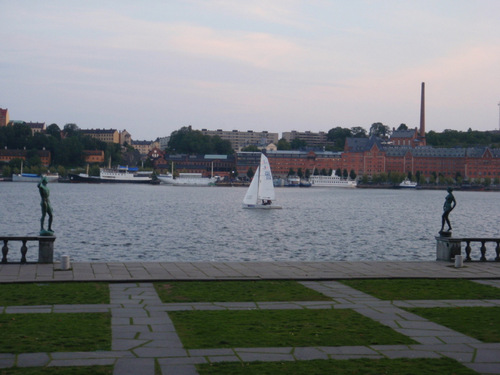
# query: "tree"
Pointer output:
{"type": "Point", "coordinates": [352, 174]}
{"type": "Point", "coordinates": [291, 172]}
{"type": "Point", "coordinates": [337, 136]}
{"type": "Point", "coordinates": [358, 132]}
{"type": "Point", "coordinates": [283, 145]}
{"type": "Point", "coordinates": [299, 173]}
{"type": "Point", "coordinates": [338, 172]}
{"type": "Point", "coordinates": [402, 127]}
{"type": "Point", "coordinates": [380, 130]}
{"type": "Point", "coordinates": [54, 131]}
{"type": "Point", "coordinates": [297, 144]}
{"type": "Point", "coordinates": [250, 173]}
{"type": "Point", "coordinates": [345, 173]}
{"type": "Point", "coordinates": [70, 130]}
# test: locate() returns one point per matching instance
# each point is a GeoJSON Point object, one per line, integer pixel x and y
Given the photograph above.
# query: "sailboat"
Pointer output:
{"type": "Point", "coordinates": [260, 193]}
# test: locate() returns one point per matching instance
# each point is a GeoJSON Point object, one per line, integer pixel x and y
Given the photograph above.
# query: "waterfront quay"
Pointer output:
{"type": "Point", "coordinates": [209, 271]}
{"type": "Point", "coordinates": [145, 341]}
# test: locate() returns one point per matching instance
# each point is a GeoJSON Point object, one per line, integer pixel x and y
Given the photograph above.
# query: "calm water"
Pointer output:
{"type": "Point", "coordinates": [165, 223]}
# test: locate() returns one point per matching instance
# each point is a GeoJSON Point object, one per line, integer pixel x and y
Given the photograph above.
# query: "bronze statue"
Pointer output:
{"type": "Point", "coordinates": [46, 207]}
{"type": "Point", "coordinates": [449, 205]}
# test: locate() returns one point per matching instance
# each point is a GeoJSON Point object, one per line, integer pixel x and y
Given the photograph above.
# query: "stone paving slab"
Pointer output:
{"type": "Point", "coordinates": [142, 331]}
{"type": "Point", "coordinates": [244, 271]}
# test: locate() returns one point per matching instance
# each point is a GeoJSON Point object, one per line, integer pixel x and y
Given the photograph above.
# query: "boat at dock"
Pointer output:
{"type": "Point", "coordinates": [407, 184]}
{"type": "Point", "coordinates": [32, 177]}
{"type": "Point", "coordinates": [331, 181]}
{"type": "Point", "coordinates": [187, 179]}
{"type": "Point", "coordinates": [114, 175]}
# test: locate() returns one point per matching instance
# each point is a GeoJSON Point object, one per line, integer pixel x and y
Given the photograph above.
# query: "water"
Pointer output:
{"type": "Point", "coordinates": [165, 223]}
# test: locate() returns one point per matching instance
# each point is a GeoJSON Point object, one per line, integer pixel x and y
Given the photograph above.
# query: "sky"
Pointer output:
{"type": "Point", "coordinates": [153, 66]}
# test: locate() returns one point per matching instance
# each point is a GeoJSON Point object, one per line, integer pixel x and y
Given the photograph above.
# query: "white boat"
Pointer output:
{"type": "Point", "coordinates": [407, 184]}
{"type": "Point", "coordinates": [114, 175]}
{"type": "Point", "coordinates": [187, 179]}
{"type": "Point", "coordinates": [29, 177]}
{"type": "Point", "coordinates": [260, 193]}
{"type": "Point", "coordinates": [331, 181]}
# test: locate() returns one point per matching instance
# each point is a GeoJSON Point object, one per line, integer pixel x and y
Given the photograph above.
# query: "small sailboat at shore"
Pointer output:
{"type": "Point", "coordinates": [260, 193]}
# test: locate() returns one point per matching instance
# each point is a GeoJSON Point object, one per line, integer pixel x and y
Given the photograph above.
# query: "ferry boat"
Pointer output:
{"type": "Point", "coordinates": [187, 179]}
{"type": "Point", "coordinates": [407, 184]}
{"type": "Point", "coordinates": [331, 181]}
{"type": "Point", "coordinates": [114, 175]}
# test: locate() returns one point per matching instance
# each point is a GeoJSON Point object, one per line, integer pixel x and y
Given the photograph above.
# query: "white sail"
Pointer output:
{"type": "Point", "coordinates": [252, 192]}
{"type": "Point", "coordinates": [260, 193]}
{"type": "Point", "coordinates": [266, 187]}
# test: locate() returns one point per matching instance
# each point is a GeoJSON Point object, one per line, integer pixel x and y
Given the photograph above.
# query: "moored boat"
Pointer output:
{"type": "Point", "coordinates": [187, 179]}
{"type": "Point", "coordinates": [407, 184]}
{"type": "Point", "coordinates": [30, 177]}
{"type": "Point", "coordinates": [331, 181]}
{"type": "Point", "coordinates": [114, 175]}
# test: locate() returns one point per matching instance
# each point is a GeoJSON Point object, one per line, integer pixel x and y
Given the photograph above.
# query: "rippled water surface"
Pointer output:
{"type": "Point", "coordinates": [166, 223]}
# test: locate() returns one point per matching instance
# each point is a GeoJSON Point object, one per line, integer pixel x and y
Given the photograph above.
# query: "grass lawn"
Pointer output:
{"type": "Point", "coordinates": [427, 366]}
{"type": "Point", "coordinates": [279, 328]}
{"type": "Point", "coordinates": [83, 370]}
{"type": "Point", "coordinates": [53, 294]}
{"type": "Point", "coordinates": [32, 333]}
{"type": "Point", "coordinates": [236, 291]}
{"type": "Point", "coordinates": [478, 322]}
{"type": "Point", "coordinates": [413, 289]}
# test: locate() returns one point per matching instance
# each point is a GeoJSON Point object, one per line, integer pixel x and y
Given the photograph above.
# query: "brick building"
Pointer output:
{"type": "Point", "coordinates": [93, 156]}
{"type": "Point", "coordinates": [221, 165]}
{"type": "Point", "coordinates": [370, 156]}
{"type": "Point", "coordinates": [4, 117]}
{"type": "Point", "coordinates": [7, 155]}
{"type": "Point", "coordinates": [282, 161]}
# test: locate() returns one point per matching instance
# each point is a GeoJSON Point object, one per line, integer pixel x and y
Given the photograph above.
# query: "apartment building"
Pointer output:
{"type": "Point", "coordinates": [240, 139]}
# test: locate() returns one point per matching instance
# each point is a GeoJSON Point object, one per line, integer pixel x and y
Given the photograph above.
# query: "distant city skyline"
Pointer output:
{"type": "Point", "coordinates": [152, 67]}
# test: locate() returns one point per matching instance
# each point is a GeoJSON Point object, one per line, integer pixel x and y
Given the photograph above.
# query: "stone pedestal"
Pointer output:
{"type": "Point", "coordinates": [447, 248]}
{"type": "Point", "coordinates": [46, 249]}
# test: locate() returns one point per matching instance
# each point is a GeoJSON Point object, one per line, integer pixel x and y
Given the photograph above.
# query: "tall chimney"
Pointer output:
{"type": "Point", "coordinates": [422, 112]}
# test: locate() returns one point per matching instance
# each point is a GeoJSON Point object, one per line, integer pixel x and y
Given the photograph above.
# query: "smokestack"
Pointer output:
{"type": "Point", "coordinates": [422, 112]}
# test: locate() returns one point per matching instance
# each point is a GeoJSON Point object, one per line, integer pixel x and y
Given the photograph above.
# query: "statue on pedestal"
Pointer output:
{"type": "Point", "coordinates": [46, 207]}
{"type": "Point", "coordinates": [449, 205]}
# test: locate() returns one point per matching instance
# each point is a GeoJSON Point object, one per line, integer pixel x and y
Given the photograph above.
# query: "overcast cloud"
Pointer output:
{"type": "Point", "coordinates": [153, 66]}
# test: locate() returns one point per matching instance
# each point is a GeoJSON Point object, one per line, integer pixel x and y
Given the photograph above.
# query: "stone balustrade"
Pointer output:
{"type": "Point", "coordinates": [45, 247]}
{"type": "Point", "coordinates": [448, 247]}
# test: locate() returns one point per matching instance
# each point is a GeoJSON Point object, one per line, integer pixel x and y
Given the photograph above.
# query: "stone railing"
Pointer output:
{"type": "Point", "coordinates": [448, 247]}
{"type": "Point", "coordinates": [45, 247]}
{"type": "Point", "coordinates": [483, 247]}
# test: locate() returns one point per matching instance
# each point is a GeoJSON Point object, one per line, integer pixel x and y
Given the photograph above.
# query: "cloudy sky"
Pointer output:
{"type": "Point", "coordinates": [153, 66]}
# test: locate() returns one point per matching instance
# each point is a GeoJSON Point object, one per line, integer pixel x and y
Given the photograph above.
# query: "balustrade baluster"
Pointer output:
{"type": "Point", "coordinates": [5, 250]}
{"type": "Point", "coordinates": [467, 252]}
{"type": "Point", "coordinates": [483, 251]}
{"type": "Point", "coordinates": [24, 250]}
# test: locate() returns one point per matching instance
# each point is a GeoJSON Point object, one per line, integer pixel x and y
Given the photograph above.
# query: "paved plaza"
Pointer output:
{"type": "Point", "coordinates": [142, 332]}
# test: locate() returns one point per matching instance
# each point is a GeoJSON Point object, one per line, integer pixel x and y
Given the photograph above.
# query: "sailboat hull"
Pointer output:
{"type": "Point", "coordinates": [261, 207]}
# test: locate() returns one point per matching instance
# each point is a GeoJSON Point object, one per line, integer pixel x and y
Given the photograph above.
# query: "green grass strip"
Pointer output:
{"type": "Point", "coordinates": [414, 289]}
{"type": "Point", "coordinates": [236, 291]}
{"type": "Point", "coordinates": [32, 333]}
{"type": "Point", "coordinates": [70, 370]}
{"type": "Point", "coordinates": [279, 328]}
{"type": "Point", "coordinates": [424, 366]}
{"type": "Point", "coordinates": [478, 322]}
{"type": "Point", "coordinates": [53, 294]}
